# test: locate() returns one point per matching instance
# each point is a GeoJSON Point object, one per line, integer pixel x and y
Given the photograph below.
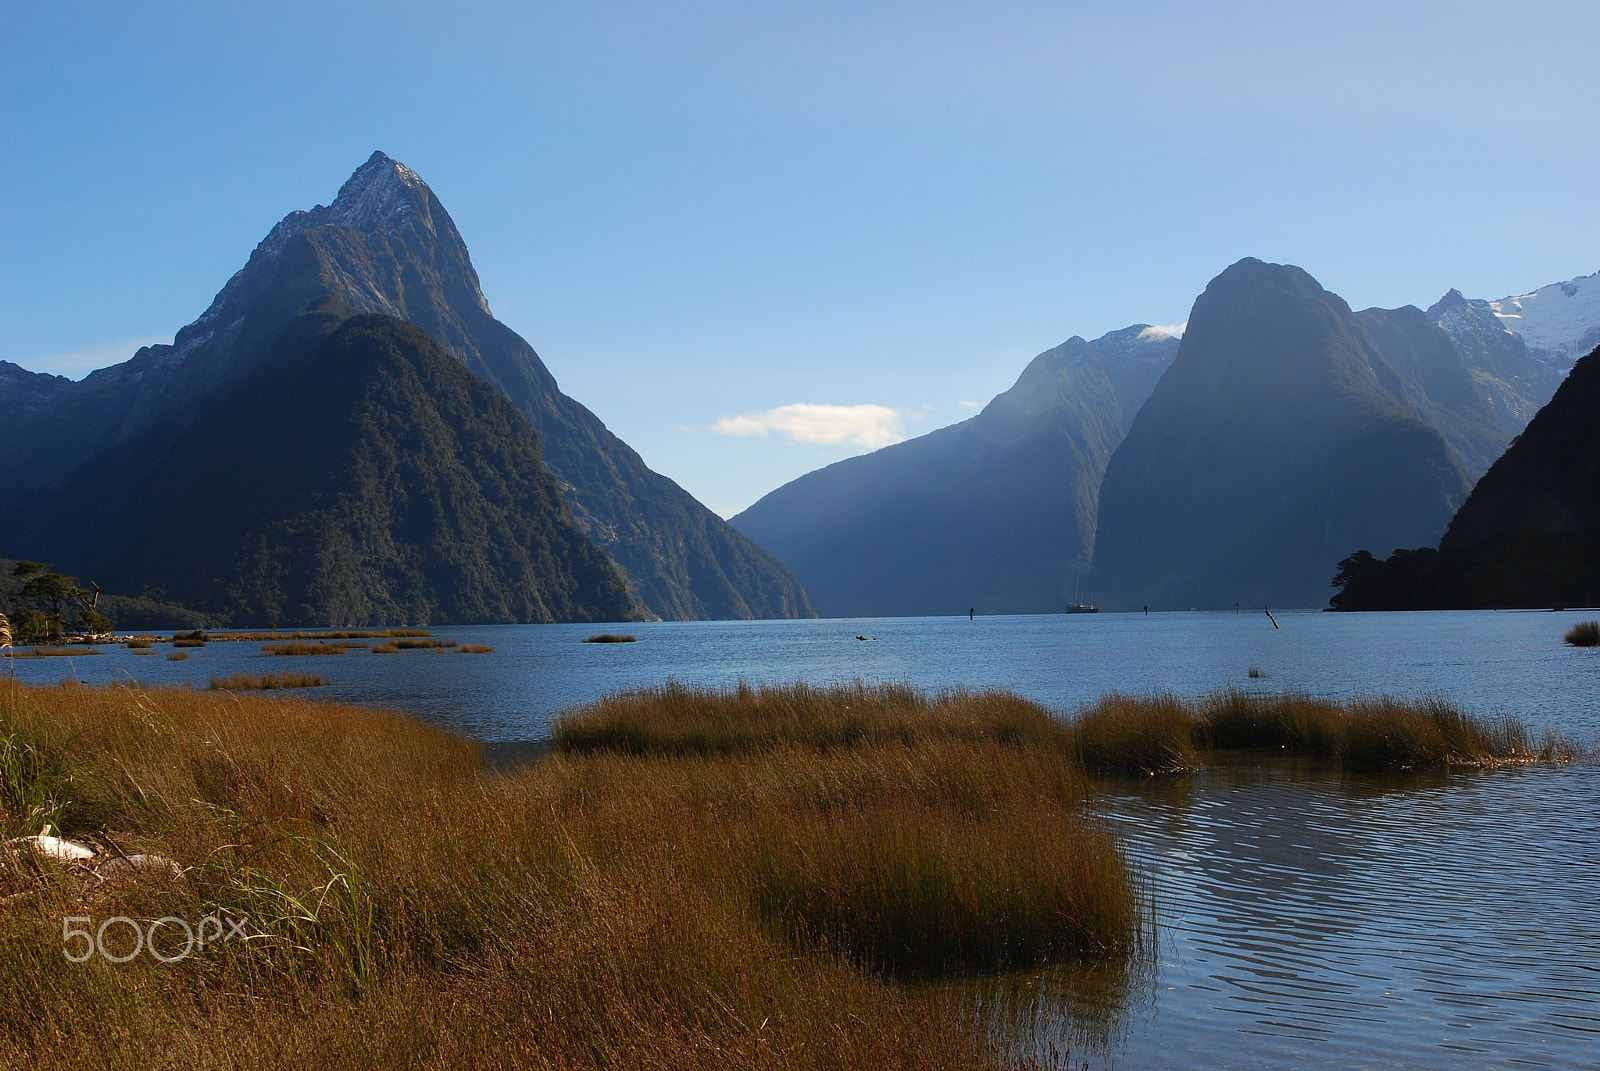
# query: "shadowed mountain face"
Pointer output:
{"type": "Point", "coordinates": [385, 246]}
{"type": "Point", "coordinates": [1277, 435]}
{"type": "Point", "coordinates": [1528, 536]}
{"type": "Point", "coordinates": [996, 512]}
{"type": "Point", "coordinates": [1423, 370]}
{"type": "Point", "coordinates": [421, 497]}
{"type": "Point", "coordinates": [1549, 480]}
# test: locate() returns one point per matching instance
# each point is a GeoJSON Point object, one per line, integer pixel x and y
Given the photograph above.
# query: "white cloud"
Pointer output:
{"type": "Point", "coordinates": [1159, 331]}
{"type": "Point", "coordinates": [970, 405]}
{"type": "Point", "coordinates": [871, 426]}
{"type": "Point", "coordinates": [76, 364]}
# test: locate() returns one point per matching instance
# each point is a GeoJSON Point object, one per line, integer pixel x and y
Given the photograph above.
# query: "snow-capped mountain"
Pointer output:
{"type": "Point", "coordinates": [1559, 323]}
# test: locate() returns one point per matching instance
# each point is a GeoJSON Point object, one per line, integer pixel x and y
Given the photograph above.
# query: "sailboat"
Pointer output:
{"type": "Point", "coordinates": [1080, 607]}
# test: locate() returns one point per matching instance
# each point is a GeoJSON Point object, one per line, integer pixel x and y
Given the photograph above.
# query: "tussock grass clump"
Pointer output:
{"type": "Point", "coordinates": [188, 643]}
{"type": "Point", "coordinates": [675, 718]}
{"type": "Point", "coordinates": [1133, 735]}
{"type": "Point", "coordinates": [137, 643]}
{"type": "Point", "coordinates": [345, 634]}
{"type": "Point", "coordinates": [610, 637]}
{"type": "Point", "coordinates": [1584, 634]}
{"type": "Point", "coordinates": [423, 645]}
{"type": "Point", "coordinates": [1163, 734]}
{"type": "Point", "coordinates": [295, 650]}
{"type": "Point", "coordinates": [177, 656]}
{"type": "Point", "coordinates": [475, 648]}
{"type": "Point", "coordinates": [56, 652]}
{"type": "Point", "coordinates": [386, 648]}
{"type": "Point", "coordinates": [406, 905]}
{"type": "Point", "coordinates": [260, 682]}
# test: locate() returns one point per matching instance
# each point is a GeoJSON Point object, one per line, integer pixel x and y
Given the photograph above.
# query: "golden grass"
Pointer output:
{"type": "Point", "coordinates": [260, 682]}
{"type": "Point", "coordinates": [1163, 734]}
{"type": "Point", "coordinates": [423, 645]}
{"type": "Point", "coordinates": [1584, 634]}
{"type": "Point", "coordinates": [691, 878]}
{"type": "Point", "coordinates": [386, 648]}
{"type": "Point", "coordinates": [177, 656]}
{"type": "Point", "coordinates": [610, 637]}
{"type": "Point", "coordinates": [138, 643]}
{"type": "Point", "coordinates": [292, 650]}
{"type": "Point", "coordinates": [55, 652]}
{"type": "Point", "coordinates": [408, 907]}
{"type": "Point", "coordinates": [346, 634]}
{"type": "Point", "coordinates": [475, 648]}
{"type": "Point", "coordinates": [676, 718]}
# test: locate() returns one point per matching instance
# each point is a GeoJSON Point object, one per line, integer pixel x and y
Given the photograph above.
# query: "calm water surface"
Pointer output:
{"type": "Point", "coordinates": [1493, 663]}
{"type": "Point", "coordinates": [1303, 919]}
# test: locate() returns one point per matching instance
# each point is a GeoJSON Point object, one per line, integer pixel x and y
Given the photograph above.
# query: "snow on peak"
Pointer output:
{"type": "Point", "coordinates": [379, 192]}
{"type": "Point", "coordinates": [1559, 323]}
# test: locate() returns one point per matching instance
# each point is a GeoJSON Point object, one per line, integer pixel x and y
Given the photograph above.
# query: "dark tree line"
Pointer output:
{"type": "Point", "coordinates": [46, 603]}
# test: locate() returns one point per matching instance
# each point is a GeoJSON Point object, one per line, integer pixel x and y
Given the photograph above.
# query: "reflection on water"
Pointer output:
{"type": "Point", "coordinates": [1310, 920]}
{"type": "Point", "coordinates": [1061, 1013]}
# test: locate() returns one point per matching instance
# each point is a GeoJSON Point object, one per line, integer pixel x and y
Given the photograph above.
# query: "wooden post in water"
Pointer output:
{"type": "Point", "coordinates": [1274, 620]}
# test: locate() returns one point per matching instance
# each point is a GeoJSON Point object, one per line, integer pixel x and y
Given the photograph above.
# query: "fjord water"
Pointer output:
{"type": "Point", "coordinates": [1491, 663]}
{"type": "Point", "coordinates": [1303, 919]}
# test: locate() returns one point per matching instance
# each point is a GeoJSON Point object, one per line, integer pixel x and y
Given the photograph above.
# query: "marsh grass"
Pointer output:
{"type": "Point", "coordinates": [345, 634]}
{"type": "Point", "coordinates": [295, 650]}
{"type": "Point", "coordinates": [177, 656]}
{"type": "Point", "coordinates": [741, 877]}
{"type": "Point", "coordinates": [385, 648]}
{"type": "Point", "coordinates": [610, 637]}
{"type": "Point", "coordinates": [475, 648]}
{"type": "Point", "coordinates": [408, 907]}
{"type": "Point", "coordinates": [1584, 634]}
{"type": "Point", "coordinates": [259, 682]}
{"type": "Point", "coordinates": [1162, 734]}
{"type": "Point", "coordinates": [423, 645]}
{"type": "Point", "coordinates": [676, 718]}
{"type": "Point", "coordinates": [56, 652]}
{"type": "Point", "coordinates": [140, 643]}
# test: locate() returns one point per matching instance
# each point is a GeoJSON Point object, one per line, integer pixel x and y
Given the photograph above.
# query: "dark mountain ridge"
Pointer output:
{"type": "Point", "coordinates": [422, 498]}
{"type": "Point", "coordinates": [387, 246]}
{"type": "Point", "coordinates": [1529, 534]}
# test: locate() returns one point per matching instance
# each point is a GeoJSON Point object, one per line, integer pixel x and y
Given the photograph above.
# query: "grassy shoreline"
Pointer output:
{"type": "Point", "coordinates": [684, 877]}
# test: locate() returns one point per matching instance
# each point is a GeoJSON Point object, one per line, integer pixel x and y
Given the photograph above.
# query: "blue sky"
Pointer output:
{"type": "Point", "coordinates": [702, 213]}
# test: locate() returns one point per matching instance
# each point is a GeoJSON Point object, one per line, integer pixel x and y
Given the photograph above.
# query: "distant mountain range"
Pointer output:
{"type": "Point", "coordinates": [85, 454]}
{"type": "Point", "coordinates": [996, 512]}
{"type": "Point", "coordinates": [1236, 467]}
{"type": "Point", "coordinates": [348, 435]}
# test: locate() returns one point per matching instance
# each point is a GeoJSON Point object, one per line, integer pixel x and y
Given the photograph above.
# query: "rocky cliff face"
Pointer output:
{"type": "Point", "coordinates": [996, 512]}
{"type": "Point", "coordinates": [386, 246]}
{"type": "Point", "coordinates": [1271, 441]}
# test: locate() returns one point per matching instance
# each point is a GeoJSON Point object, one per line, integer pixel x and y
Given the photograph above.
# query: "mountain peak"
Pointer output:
{"type": "Point", "coordinates": [376, 194]}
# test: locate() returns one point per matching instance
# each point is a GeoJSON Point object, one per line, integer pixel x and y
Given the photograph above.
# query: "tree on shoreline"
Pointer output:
{"type": "Point", "coordinates": [53, 594]}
